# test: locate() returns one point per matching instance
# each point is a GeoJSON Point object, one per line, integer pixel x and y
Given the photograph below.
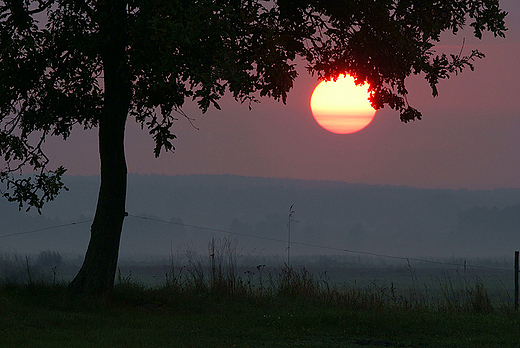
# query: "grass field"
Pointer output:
{"type": "Point", "coordinates": [291, 308]}
{"type": "Point", "coordinates": [217, 300]}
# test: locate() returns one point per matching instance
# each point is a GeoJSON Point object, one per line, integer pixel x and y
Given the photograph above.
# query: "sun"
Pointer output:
{"type": "Point", "coordinates": [340, 106]}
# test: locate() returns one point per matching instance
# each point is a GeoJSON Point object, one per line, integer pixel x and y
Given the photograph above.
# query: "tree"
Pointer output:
{"type": "Point", "coordinates": [95, 63]}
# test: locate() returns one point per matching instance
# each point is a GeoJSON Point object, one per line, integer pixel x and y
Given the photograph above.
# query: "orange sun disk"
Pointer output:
{"type": "Point", "coordinates": [340, 106]}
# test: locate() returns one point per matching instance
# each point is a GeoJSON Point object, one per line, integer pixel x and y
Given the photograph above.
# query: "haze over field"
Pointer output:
{"type": "Point", "coordinates": [392, 220]}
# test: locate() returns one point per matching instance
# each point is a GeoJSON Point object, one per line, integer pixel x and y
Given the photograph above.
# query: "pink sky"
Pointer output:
{"type": "Point", "coordinates": [469, 136]}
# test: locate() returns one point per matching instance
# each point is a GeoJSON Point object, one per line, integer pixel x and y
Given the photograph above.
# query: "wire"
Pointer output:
{"type": "Point", "coordinates": [320, 246]}
{"type": "Point", "coordinates": [45, 229]}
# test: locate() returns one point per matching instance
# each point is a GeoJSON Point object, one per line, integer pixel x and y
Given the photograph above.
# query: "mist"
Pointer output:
{"type": "Point", "coordinates": [171, 214]}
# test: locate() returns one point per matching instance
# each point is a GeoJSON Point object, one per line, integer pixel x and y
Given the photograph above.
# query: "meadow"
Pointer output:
{"type": "Point", "coordinates": [217, 300]}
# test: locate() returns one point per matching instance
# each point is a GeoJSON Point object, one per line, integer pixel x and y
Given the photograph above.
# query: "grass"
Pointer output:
{"type": "Point", "coordinates": [207, 304]}
{"type": "Point", "coordinates": [293, 310]}
{"type": "Point", "coordinates": [50, 317]}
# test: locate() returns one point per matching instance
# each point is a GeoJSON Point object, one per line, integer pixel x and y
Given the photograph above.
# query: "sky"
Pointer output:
{"type": "Point", "coordinates": [468, 137]}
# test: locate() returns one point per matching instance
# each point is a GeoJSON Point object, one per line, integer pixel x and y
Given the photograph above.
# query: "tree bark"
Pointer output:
{"type": "Point", "coordinates": [96, 276]}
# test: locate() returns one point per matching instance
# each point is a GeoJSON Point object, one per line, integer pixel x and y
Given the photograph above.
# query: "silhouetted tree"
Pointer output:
{"type": "Point", "coordinates": [94, 63]}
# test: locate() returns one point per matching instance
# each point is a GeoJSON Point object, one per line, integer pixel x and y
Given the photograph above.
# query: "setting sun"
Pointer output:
{"type": "Point", "coordinates": [341, 107]}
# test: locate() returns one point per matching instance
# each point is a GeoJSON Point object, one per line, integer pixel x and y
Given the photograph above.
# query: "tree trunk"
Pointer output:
{"type": "Point", "coordinates": [96, 276]}
{"type": "Point", "coordinates": [97, 273]}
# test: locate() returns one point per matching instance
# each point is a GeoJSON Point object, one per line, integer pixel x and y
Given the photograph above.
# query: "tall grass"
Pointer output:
{"type": "Point", "coordinates": [218, 274]}
{"type": "Point", "coordinates": [24, 270]}
{"type": "Point", "coordinates": [213, 300]}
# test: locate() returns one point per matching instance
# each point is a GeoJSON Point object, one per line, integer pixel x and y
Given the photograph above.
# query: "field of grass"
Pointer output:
{"type": "Point", "coordinates": [217, 301]}
{"type": "Point", "coordinates": [211, 307]}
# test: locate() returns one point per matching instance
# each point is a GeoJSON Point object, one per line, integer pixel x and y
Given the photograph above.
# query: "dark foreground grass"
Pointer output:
{"type": "Point", "coordinates": [295, 313]}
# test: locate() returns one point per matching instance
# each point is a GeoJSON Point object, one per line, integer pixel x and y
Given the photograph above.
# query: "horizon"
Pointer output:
{"type": "Point", "coordinates": [342, 182]}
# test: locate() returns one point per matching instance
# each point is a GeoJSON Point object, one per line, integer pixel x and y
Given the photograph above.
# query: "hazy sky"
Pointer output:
{"type": "Point", "coordinates": [469, 136]}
